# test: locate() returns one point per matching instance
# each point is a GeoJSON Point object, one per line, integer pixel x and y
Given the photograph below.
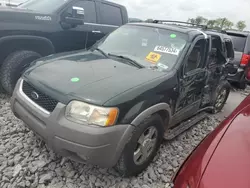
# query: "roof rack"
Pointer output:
{"type": "Point", "coordinates": [217, 30]}
{"type": "Point", "coordinates": [203, 27]}
{"type": "Point", "coordinates": [179, 23]}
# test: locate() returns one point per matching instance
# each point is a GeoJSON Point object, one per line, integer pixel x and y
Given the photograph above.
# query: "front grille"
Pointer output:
{"type": "Point", "coordinates": [42, 99]}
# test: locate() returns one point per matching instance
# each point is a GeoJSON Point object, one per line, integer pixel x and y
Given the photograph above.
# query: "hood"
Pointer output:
{"type": "Point", "coordinates": [86, 76]}
{"type": "Point", "coordinates": [16, 14]}
{"type": "Point", "coordinates": [222, 158]}
{"type": "Point", "coordinates": [230, 164]}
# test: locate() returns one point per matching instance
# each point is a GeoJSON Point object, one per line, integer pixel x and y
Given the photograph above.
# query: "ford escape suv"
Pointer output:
{"type": "Point", "coordinates": [113, 104]}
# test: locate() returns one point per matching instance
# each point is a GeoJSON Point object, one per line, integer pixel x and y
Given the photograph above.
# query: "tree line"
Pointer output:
{"type": "Point", "coordinates": [219, 23]}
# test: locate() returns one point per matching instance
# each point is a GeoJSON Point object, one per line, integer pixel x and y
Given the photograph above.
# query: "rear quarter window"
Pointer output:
{"type": "Point", "coordinates": [239, 42]}
{"type": "Point", "coordinates": [111, 15]}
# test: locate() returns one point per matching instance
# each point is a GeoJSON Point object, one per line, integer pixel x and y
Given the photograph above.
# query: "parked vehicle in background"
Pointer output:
{"type": "Point", "coordinates": [40, 27]}
{"type": "Point", "coordinates": [222, 158]}
{"type": "Point", "coordinates": [113, 104]}
{"type": "Point", "coordinates": [132, 20]}
{"type": "Point", "coordinates": [241, 41]}
{"type": "Point", "coordinates": [8, 3]}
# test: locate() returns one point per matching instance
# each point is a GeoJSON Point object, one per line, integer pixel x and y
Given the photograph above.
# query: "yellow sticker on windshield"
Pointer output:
{"type": "Point", "coordinates": [153, 57]}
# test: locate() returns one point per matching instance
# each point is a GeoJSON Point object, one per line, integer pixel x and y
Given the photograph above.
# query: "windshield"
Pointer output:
{"type": "Point", "coordinates": [44, 6]}
{"type": "Point", "coordinates": [148, 46]}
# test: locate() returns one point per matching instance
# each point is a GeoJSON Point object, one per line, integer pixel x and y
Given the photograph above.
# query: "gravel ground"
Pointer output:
{"type": "Point", "coordinates": [26, 162]}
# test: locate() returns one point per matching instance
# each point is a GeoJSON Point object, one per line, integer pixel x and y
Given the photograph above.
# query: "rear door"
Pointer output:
{"type": "Point", "coordinates": [109, 18]}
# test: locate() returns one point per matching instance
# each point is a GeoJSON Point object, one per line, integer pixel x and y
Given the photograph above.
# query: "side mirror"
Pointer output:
{"type": "Point", "coordinates": [76, 17]}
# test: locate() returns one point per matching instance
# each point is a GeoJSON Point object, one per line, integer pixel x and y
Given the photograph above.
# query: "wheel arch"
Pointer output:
{"type": "Point", "coordinates": [163, 109]}
{"type": "Point", "coordinates": [41, 45]}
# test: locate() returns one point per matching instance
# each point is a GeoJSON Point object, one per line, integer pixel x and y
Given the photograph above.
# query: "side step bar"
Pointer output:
{"type": "Point", "coordinates": [175, 131]}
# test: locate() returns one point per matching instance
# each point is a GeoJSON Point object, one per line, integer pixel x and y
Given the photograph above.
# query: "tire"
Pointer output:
{"type": "Point", "coordinates": [223, 87]}
{"type": "Point", "coordinates": [126, 165]}
{"type": "Point", "coordinates": [13, 67]}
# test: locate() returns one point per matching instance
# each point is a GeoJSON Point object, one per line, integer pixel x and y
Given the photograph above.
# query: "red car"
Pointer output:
{"type": "Point", "coordinates": [222, 160]}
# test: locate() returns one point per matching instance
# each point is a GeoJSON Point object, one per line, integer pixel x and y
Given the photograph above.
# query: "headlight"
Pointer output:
{"type": "Point", "coordinates": [81, 112]}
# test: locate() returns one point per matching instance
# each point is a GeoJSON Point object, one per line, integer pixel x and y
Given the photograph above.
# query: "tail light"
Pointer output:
{"type": "Point", "coordinates": [245, 60]}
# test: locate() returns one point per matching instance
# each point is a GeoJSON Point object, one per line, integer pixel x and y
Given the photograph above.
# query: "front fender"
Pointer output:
{"type": "Point", "coordinates": [44, 43]}
{"type": "Point", "coordinates": [152, 110]}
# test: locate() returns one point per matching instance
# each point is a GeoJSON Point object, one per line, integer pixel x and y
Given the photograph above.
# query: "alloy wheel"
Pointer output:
{"type": "Point", "coordinates": [221, 98]}
{"type": "Point", "coordinates": [145, 145]}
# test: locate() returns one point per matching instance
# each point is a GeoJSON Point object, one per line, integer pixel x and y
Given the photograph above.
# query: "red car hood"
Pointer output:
{"type": "Point", "coordinates": [222, 160]}
{"type": "Point", "coordinates": [229, 166]}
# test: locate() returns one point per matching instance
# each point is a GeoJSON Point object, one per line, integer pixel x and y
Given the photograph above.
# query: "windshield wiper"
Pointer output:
{"type": "Point", "coordinates": [131, 61]}
{"type": "Point", "coordinates": [101, 51]}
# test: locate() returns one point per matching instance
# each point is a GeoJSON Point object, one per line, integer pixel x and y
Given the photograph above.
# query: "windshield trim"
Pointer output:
{"type": "Point", "coordinates": [155, 26]}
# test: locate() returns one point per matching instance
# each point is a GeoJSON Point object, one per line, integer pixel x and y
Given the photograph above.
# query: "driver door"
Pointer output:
{"type": "Point", "coordinates": [192, 81]}
{"type": "Point", "coordinates": [76, 37]}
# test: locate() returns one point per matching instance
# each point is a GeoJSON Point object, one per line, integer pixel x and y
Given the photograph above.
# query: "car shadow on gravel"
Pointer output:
{"type": "Point", "coordinates": [27, 162]}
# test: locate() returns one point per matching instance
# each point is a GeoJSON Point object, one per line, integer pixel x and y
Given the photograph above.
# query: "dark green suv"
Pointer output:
{"type": "Point", "coordinates": [113, 104]}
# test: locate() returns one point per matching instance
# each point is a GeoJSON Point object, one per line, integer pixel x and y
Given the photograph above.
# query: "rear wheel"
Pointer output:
{"type": "Point", "coordinates": [142, 147]}
{"type": "Point", "coordinates": [221, 96]}
{"type": "Point", "coordinates": [13, 67]}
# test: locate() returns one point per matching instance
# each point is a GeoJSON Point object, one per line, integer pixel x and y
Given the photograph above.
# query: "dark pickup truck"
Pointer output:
{"type": "Point", "coordinates": [40, 28]}
{"type": "Point", "coordinates": [241, 41]}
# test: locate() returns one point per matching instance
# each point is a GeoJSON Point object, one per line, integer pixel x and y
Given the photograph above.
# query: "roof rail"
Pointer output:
{"type": "Point", "coordinates": [203, 27]}
{"type": "Point", "coordinates": [217, 30]}
{"type": "Point", "coordinates": [180, 22]}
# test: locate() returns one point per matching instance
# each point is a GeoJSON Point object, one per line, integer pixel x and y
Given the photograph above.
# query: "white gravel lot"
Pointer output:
{"type": "Point", "coordinates": [26, 162]}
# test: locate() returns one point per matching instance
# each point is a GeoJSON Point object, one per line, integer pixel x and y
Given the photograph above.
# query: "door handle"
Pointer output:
{"type": "Point", "coordinates": [96, 31]}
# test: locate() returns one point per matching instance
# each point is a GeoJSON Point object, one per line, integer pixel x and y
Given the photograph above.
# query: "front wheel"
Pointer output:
{"type": "Point", "coordinates": [13, 67]}
{"type": "Point", "coordinates": [221, 96]}
{"type": "Point", "coordinates": [142, 147]}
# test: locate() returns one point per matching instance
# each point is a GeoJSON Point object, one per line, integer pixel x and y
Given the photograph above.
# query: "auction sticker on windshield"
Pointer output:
{"type": "Point", "coordinates": [153, 57]}
{"type": "Point", "coordinates": [167, 50]}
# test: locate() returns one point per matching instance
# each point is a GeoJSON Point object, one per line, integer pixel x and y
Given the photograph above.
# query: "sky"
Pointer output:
{"type": "Point", "coordinates": [181, 10]}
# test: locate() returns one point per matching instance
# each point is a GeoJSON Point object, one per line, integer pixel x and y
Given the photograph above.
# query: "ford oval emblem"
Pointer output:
{"type": "Point", "coordinates": [34, 95]}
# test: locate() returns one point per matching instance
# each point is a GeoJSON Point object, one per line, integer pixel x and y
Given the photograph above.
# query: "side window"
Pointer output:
{"type": "Point", "coordinates": [111, 15]}
{"type": "Point", "coordinates": [229, 49]}
{"type": "Point", "coordinates": [196, 56]}
{"type": "Point", "coordinates": [89, 10]}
